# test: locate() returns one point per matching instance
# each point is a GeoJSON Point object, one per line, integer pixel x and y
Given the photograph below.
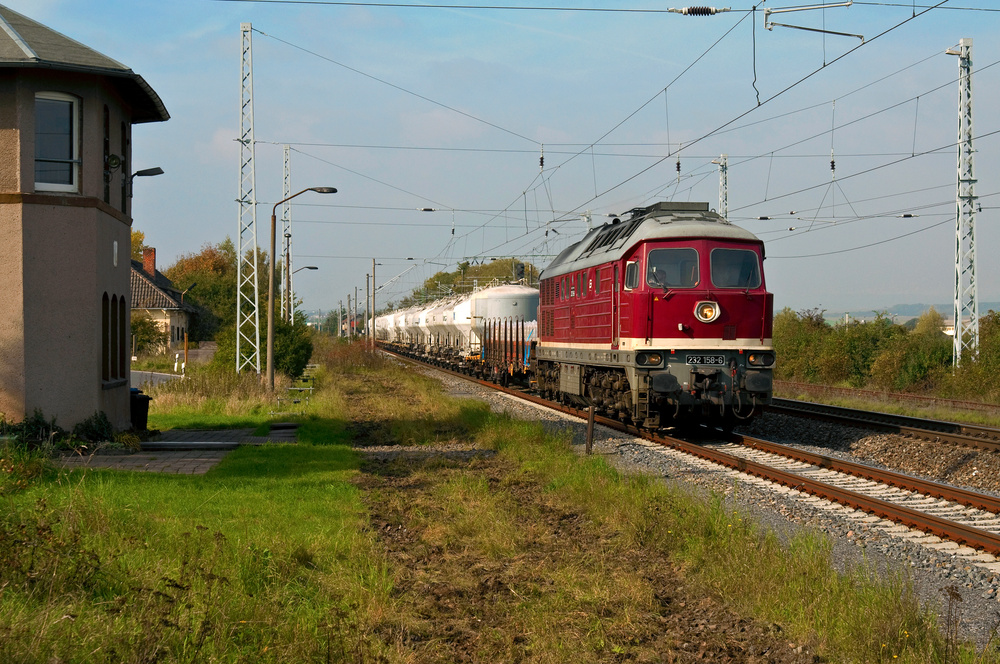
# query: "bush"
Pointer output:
{"type": "Point", "coordinates": [147, 335]}
{"type": "Point", "coordinates": [32, 432]}
{"type": "Point", "coordinates": [293, 347]}
{"type": "Point", "coordinates": [95, 429]}
{"type": "Point", "coordinates": [798, 338]}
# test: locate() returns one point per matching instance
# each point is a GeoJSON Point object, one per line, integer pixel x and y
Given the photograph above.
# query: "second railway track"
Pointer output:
{"type": "Point", "coordinates": [969, 435]}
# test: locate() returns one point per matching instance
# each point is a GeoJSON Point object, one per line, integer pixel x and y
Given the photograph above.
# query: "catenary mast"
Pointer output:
{"type": "Point", "coordinates": [966, 342]}
{"type": "Point", "coordinates": [247, 291]}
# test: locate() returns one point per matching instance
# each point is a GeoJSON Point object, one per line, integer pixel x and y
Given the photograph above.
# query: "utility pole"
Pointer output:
{"type": "Point", "coordinates": [340, 319]}
{"type": "Point", "coordinates": [286, 231]}
{"type": "Point", "coordinates": [367, 314]}
{"type": "Point", "coordinates": [373, 304]}
{"type": "Point", "coordinates": [286, 295]}
{"type": "Point", "coordinates": [966, 338]}
{"type": "Point", "coordinates": [354, 312]}
{"type": "Point", "coordinates": [350, 319]}
{"type": "Point", "coordinates": [247, 289]}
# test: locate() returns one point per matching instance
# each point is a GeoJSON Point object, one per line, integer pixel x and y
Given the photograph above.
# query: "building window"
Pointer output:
{"type": "Point", "coordinates": [57, 145]}
{"type": "Point", "coordinates": [107, 154]}
{"type": "Point", "coordinates": [123, 330]}
{"type": "Point", "coordinates": [113, 334]}
{"type": "Point", "coordinates": [126, 149]}
{"type": "Point", "coordinates": [105, 338]}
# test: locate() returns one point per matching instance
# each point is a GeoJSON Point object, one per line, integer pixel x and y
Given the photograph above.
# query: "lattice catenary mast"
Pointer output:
{"type": "Point", "coordinates": [966, 298]}
{"type": "Point", "coordinates": [247, 291]}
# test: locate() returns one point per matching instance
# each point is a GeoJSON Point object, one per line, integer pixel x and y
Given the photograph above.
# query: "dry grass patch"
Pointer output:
{"type": "Point", "coordinates": [491, 565]}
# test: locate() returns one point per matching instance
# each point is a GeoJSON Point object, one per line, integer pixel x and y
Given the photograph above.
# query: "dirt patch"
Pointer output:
{"type": "Point", "coordinates": [537, 580]}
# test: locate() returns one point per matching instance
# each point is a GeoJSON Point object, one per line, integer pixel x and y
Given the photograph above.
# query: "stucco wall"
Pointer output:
{"type": "Point", "coordinates": [59, 258]}
{"type": "Point", "coordinates": [11, 314]}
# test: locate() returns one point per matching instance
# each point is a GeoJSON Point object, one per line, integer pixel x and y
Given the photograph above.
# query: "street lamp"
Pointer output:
{"type": "Point", "coordinates": [146, 172]}
{"type": "Point", "coordinates": [286, 300]}
{"type": "Point", "coordinates": [270, 281]}
{"type": "Point", "coordinates": [289, 296]}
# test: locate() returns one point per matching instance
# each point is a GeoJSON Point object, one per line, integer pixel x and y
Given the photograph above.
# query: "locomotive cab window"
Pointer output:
{"type": "Point", "coordinates": [672, 268]}
{"type": "Point", "coordinates": [631, 275]}
{"type": "Point", "coordinates": [735, 268]}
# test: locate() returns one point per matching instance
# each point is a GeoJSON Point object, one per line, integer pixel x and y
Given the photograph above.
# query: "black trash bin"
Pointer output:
{"type": "Point", "coordinates": [139, 408]}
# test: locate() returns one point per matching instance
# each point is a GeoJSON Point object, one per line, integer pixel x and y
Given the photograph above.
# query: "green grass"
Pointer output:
{"type": "Point", "coordinates": [249, 563]}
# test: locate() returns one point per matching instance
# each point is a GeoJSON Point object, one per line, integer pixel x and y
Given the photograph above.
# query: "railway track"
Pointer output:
{"type": "Point", "coordinates": [946, 512]}
{"type": "Point", "coordinates": [917, 400]}
{"type": "Point", "coordinates": [970, 435]}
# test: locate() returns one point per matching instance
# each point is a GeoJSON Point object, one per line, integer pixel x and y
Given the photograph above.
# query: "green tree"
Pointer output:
{"type": "Point", "coordinates": [798, 338]}
{"type": "Point", "coordinates": [849, 353]}
{"type": "Point", "coordinates": [914, 360]}
{"type": "Point", "coordinates": [213, 270]}
{"type": "Point", "coordinates": [138, 244]}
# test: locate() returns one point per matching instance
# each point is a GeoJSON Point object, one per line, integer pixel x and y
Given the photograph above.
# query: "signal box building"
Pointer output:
{"type": "Point", "coordinates": [66, 116]}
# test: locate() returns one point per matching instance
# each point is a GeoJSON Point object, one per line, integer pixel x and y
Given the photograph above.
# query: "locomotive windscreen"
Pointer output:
{"type": "Point", "coordinates": [735, 268]}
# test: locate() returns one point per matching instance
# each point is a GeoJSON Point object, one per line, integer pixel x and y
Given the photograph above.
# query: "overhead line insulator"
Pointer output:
{"type": "Point", "coordinates": [699, 11]}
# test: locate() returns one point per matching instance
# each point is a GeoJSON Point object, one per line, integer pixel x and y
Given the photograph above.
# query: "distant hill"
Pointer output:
{"type": "Point", "coordinates": [904, 312]}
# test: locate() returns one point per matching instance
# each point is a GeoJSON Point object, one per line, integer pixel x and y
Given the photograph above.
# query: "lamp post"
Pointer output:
{"type": "Point", "coordinates": [373, 303]}
{"type": "Point", "coordinates": [145, 172]}
{"type": "Point", "coordinates": [287, 299]}
{"type": "Point", "coordinates": [270, 281]}
{"type": "Point", "coordinates": [291, 301]}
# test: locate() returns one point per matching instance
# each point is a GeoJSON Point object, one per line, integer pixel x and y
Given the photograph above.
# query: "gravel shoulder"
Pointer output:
{"type": "Point", "coordinates": [859, 542]}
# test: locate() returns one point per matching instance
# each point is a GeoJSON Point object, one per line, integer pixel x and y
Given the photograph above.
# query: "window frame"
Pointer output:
{"type": "Point", "coordinates": [75, 160]}
{"type": "Point", "coordinates": [748, 286]}
{"type": "Point", "coordinates": [650, 263]}
{"type": "Point", "coordinates": [631, 281]}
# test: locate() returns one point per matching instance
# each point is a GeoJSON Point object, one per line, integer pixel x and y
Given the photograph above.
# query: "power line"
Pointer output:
{"type": "Point", "coordinates": [910, 6]}
{"type": "Point", "coordinates": [431, 148]}
{"type": "Point", "coordinates": [766, 101]}
{"type": "Point", "coordinates": [868, 170]}
{"type": "Point", "coordinates": [865, 246]}
{"type": "Point", "coordinates": [400, 5]}
{"type": "Point", "coordinates": [385, 82]}
{"type": "Point", "coordinates": [738, 117]}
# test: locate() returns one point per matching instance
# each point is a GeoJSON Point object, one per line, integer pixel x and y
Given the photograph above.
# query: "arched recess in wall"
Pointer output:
{"type": "Point", "coordinates": [105, 337]}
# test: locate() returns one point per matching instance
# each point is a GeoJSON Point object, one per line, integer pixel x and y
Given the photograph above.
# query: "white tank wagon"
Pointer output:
{"type": "Point", "coordinates": [451, 332]}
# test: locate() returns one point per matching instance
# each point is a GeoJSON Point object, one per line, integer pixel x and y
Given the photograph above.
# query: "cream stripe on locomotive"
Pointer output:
{"type": "Point", "coordinates": [666, 344]}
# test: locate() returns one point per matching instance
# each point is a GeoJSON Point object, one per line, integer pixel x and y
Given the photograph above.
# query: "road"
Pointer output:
{"type": "Point", "coordinates": [147, 378]}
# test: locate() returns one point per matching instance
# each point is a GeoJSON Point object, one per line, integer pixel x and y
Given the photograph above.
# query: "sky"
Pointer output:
{"type": "Point", "coordinates": [449, 109]}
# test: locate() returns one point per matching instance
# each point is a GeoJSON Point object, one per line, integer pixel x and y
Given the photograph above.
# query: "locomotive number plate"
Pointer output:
{"type": "Point", "coordinates": [711, 360]}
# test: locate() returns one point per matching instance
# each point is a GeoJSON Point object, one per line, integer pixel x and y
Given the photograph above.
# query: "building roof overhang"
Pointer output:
{"type": "Point", "coordinates": [27, 44]}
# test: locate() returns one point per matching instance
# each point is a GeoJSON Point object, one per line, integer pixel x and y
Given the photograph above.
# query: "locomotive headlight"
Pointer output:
{"type": "Point", "coordinates": [648, 359]}
{"type": "Point", "coordinates": [760, 359]}
{"type": "Point", "coordinates": [706, 312]}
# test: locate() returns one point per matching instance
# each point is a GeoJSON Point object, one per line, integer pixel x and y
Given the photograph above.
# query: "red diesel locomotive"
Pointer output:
{"type": "Point", "coordinates": [660, 319]}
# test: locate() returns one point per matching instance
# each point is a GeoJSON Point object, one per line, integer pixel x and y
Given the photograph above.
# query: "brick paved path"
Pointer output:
{"type": "Point", "coordinates": [189, 462]}
{"type": "Point", "coordinates": [182, 452]}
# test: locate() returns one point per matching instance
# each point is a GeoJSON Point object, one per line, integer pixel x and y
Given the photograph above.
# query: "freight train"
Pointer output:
{"type": "Point", "coordinates": [660, 319]}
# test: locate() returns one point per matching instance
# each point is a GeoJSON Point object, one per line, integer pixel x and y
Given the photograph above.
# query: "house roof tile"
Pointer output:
{"type": "Point", "coordinates": [154, 291]}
